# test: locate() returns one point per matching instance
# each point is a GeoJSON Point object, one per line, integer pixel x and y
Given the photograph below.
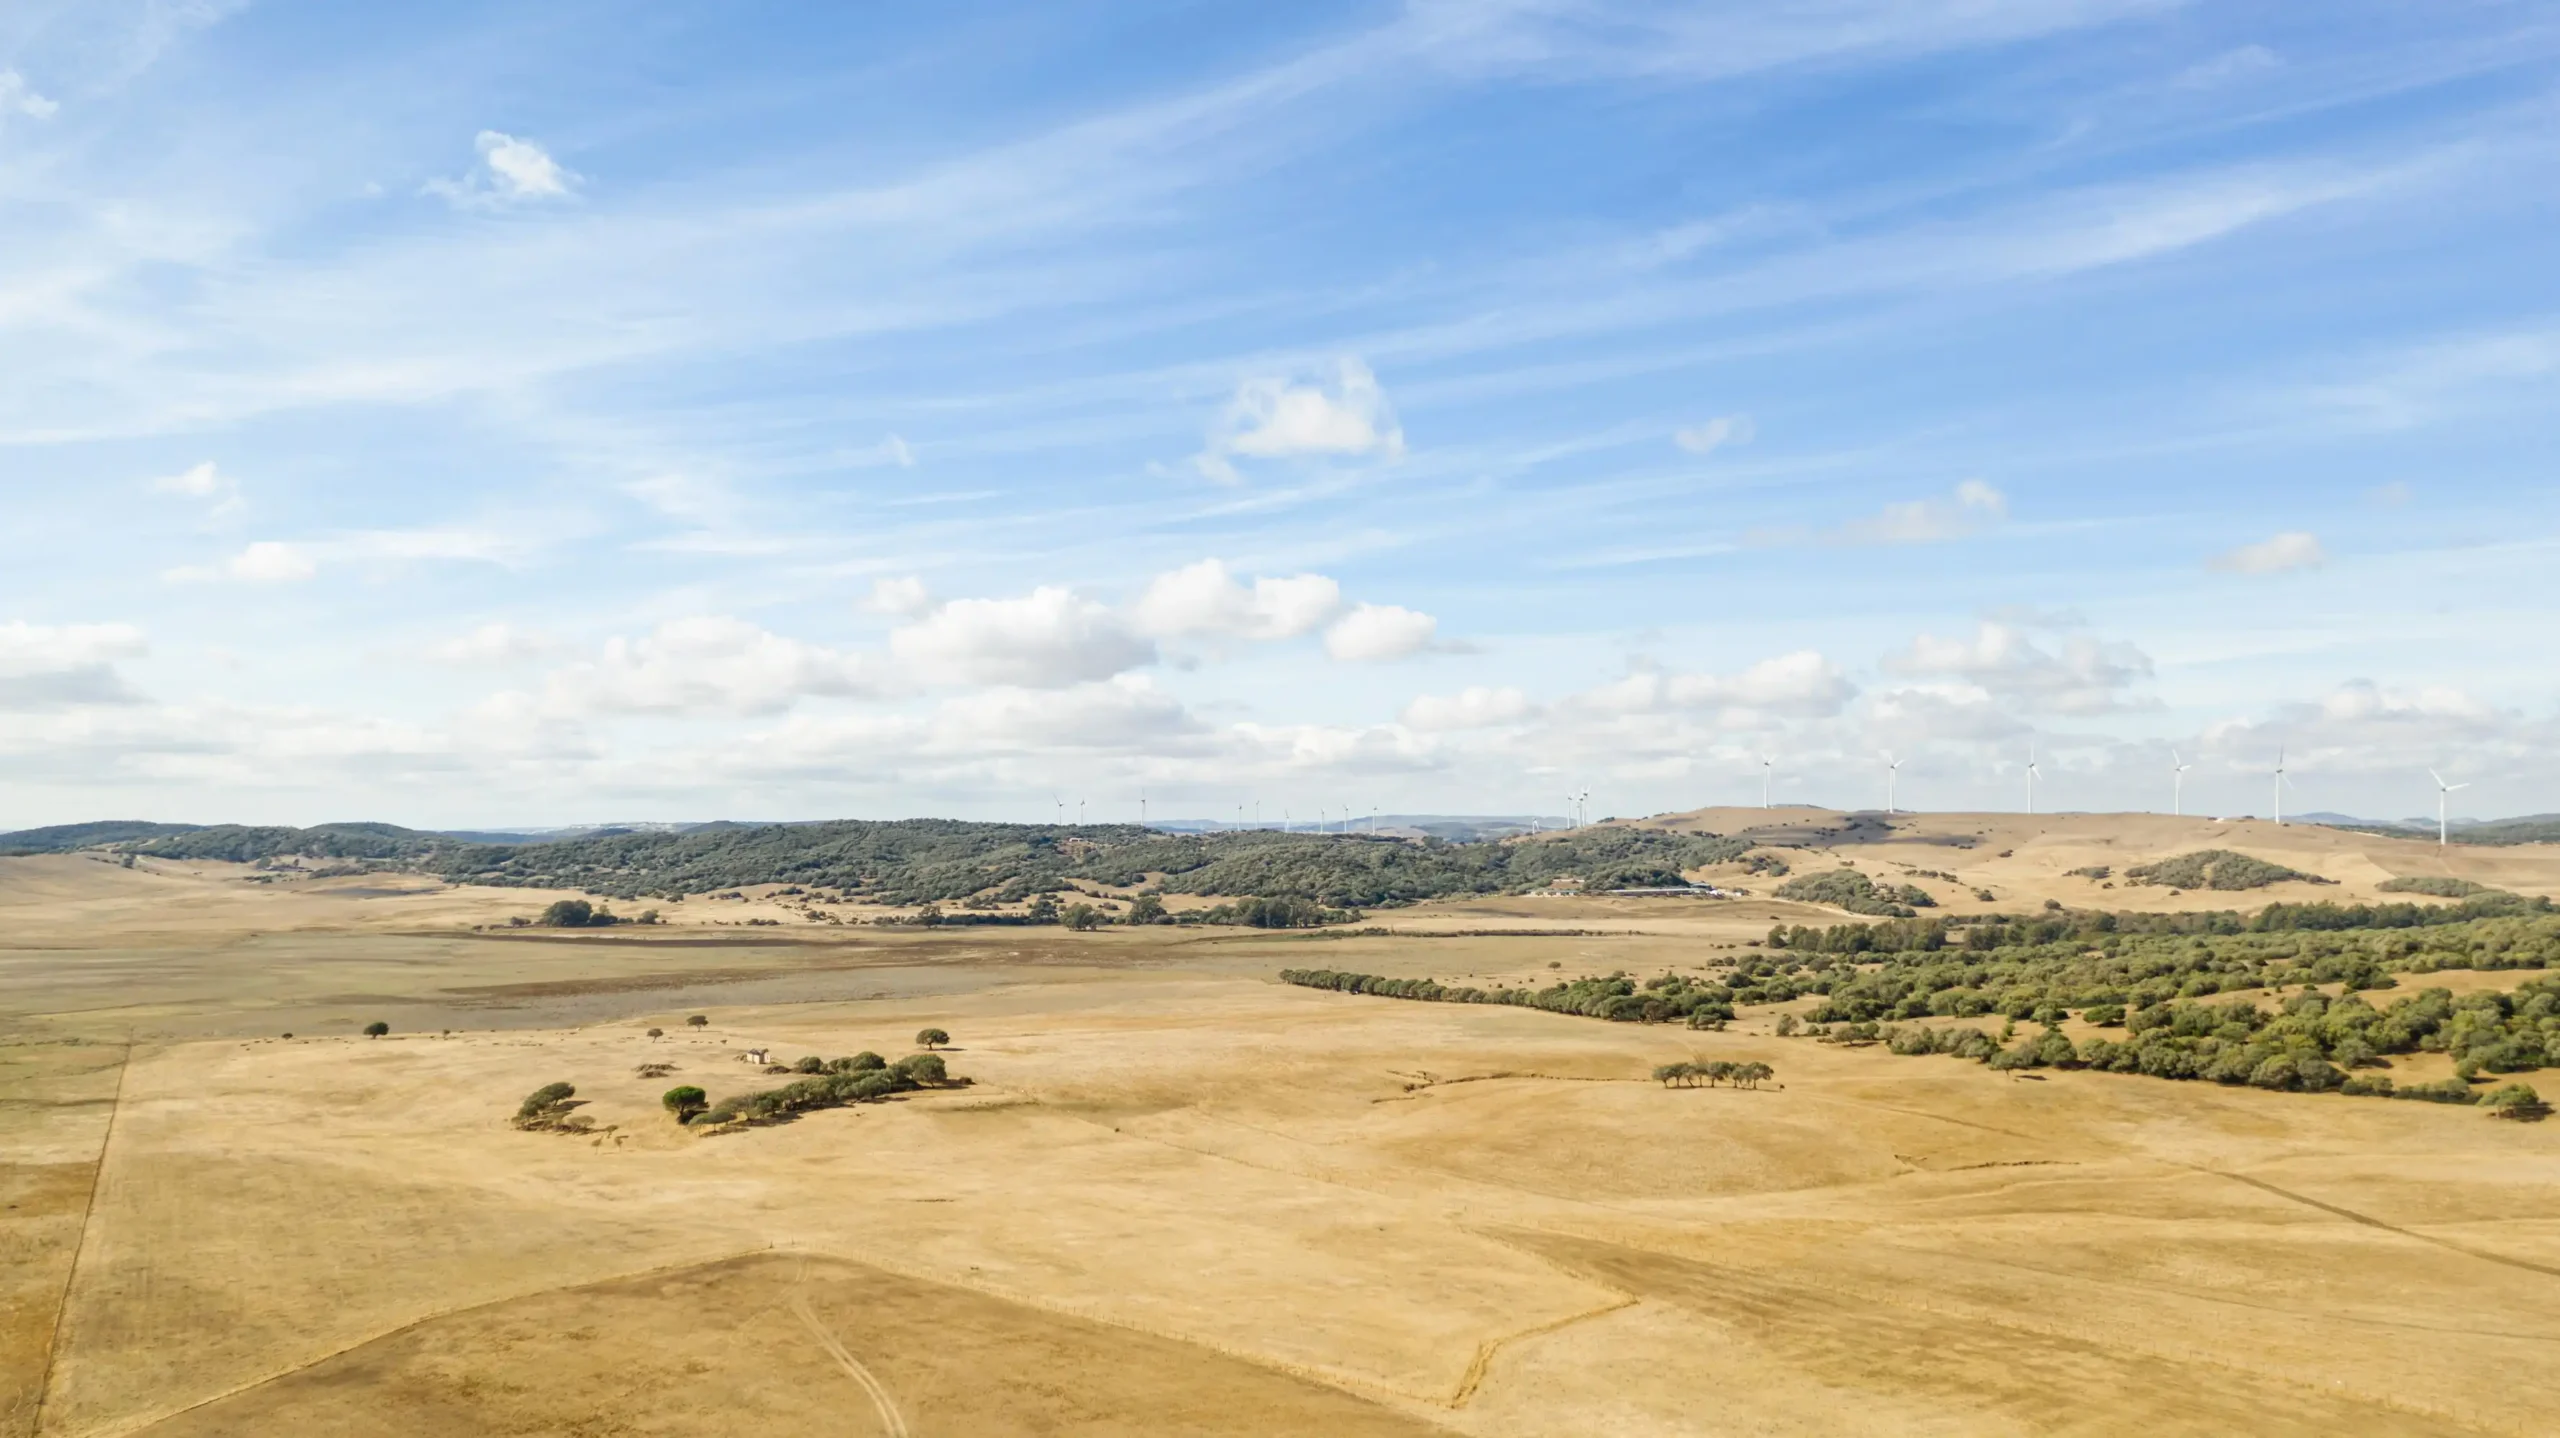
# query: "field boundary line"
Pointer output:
{"type": "Point", "coordinates": [80, 1246]}
{"type": "Point", "coordinates": [2369, 1221]}
{"type": "Point", "coordinates": [423, 1319]}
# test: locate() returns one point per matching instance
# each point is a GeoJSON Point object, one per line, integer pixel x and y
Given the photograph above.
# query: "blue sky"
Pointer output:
{"type": "Point", "coordinates": [546, 413]}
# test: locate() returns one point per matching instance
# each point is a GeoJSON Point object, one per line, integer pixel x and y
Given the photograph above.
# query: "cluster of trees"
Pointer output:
{"type": "Point", "coordinates": [2314, 1043]}
{"type": "Point", "coordinates": [940, 861]}
{"type": "Point", "coordinates": [1689, 1075]}
{"type": "Point", "coordinates": [2218, 869]}
{"type": "Point", "coordinates": [1851, 890]}
{"type": "Point", "coordinates": [1669, 998]}
{"type": "Point", "coordinates": [579, 914]}
{"type": "Point", "coordinates": [862, 1078]}
{"type": "Point", "coordinates": [2443, 886]}
{"type": "Point", "coordinates": [249, 843]}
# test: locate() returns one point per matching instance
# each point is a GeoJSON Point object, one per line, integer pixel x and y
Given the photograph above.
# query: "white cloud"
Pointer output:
{"type": "Point", "coordinates": [1373, 633]}
{"type": "Point", "coordinates": [1121, 713]}
{"type": "Point", "coordinates": [511, 171]}
{"type": "Point", "coordinates": [1204, 599]}
{"type": "Point", "coordinates": [1802, 684]}
{"type": "Point", "coordinates": [2293, 549]}
{"type": "Point", "coordinates": [1275, 418]}
{"type": "Point", "coordinates": [17, 97]}
{"type": "Point", "coordinates": [269, 561]}
{"type": "Point", "coordinates": [202, 481]}
{"type": "Point", "coordinates": [1475, 707]}
{"type": "Point", "coordinates": [708, 665]}
{"type": "Point", "coordinates": [497, 642]}
{"type": "Point", "coordinates": [30, 648]}
{"type": "Point", "coordinates": [901, 595]}
{"type": "Point", "coordinates": [1047, 639]}
{"type": "Point", "coordinates": [1705, 439]}
{"type": "Point", "coordinates": [49, 667]}
{"type": "Point", "coordinates": [2083, 676]}
{"type": "Point", "coordinates": [1925, 521]}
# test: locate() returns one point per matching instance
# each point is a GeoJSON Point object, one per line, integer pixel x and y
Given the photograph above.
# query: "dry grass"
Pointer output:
{"type": "Point", "coordinates": [1179, 1198]}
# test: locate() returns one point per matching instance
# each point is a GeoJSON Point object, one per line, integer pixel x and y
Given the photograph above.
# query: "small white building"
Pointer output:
{"type": "Point", "coordinates": [755, 1056]}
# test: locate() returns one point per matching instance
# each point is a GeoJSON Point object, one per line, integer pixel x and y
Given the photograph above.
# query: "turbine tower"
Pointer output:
{"type": "Point", "coordinates": [1892, 767]}
{"type": "Point", "coordinates": [2177, 784]}
{"type": "Point", "coordinates": [2279, 786]}
{"type": "Point", "coordinates": [2443, 789]}
{"type": "Point", "coordinates": [2032, 772]}
{"type": "Point", "coordinates": [1768, 771]}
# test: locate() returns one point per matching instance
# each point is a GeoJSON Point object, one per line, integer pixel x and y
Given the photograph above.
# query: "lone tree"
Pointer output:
{"type": "Point", "coordinates": [933, 1039]}
{"type": "Point", "coordinates": [657, 1033]}
{"type": "Point", "coordinates": [542, 1102]}
{"type": "Point", "coordinates": [697, 1021]}
{"type": "Point", "coordinates": [376, 1029]}
{"type": "Point", "coordinates": [684, 1101]}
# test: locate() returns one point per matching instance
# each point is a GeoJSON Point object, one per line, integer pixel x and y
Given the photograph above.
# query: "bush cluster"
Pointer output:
{"type": "Point", "coordinates": [2218, 869]}
{"type": "Point", "coordinates": [863, 1078]}
{"type": "Point", "coordinates": [1616, 997]}
{"type": "Point", "coordinates": [1690, 1075]}
{"type": "Point", "coordinates": [1851, 890]}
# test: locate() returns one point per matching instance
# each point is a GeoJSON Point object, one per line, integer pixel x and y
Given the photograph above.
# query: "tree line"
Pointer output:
{"type": "Point", "coordinates": [1669, 998]}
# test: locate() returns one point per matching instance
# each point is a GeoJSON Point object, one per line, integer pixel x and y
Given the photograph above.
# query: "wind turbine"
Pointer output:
{"type": "Point", "coordinates": [2177, 784]}
{"type": "Point", "coordinates": [2442, 789]}
{"type": "Point", "coordinates": [2279, 786]}
{"type": "Point", "coordinates": [2032, 772]}
{"type": "Point", "coordinates": [1892, 767]}
{"type": "Point", "coordinates": [1768, 771]}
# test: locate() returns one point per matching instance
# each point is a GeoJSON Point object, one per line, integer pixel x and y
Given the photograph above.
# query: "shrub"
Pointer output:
{"type": "Point", "coordinates": [544, 1101]}
{"type": "Point", "coordinates": [684, 1101]}
{"type": "Point", "coordinates": [376, 1029]}
{"type": "Point", "coordinates": [1083, 917]}
{"type": "Point", "coordinates": [2516, 1101]}
{"type": "Point", "coordinates": [921, 1069]}
{"type": "Point", "coordinates": [810, 1064]}
{"type": "Point", "coordinates": [2441, 885]}
{"type": "Point", "coordinates": [1148, 909]}
{"type": "Point", "coordinates": [863, 1062]}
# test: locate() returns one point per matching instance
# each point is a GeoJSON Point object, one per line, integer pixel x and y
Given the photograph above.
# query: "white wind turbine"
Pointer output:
{"type": "Point", "coordinates": [1768, 772]}
{"type": "Point", "coordinates": [2280, 782]}
{"type": "Point", "coordinates": [2177, 784]}
{"type": "Point", "coordinates": [2443, 789]}
{"type": "Point", "coordinates": [2032, 772]}
{"type": "Point", "coordinates": [1892, 768]}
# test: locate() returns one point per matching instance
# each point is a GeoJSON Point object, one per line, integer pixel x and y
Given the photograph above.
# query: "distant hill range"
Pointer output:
{"type": "Point", "coordinates": [2523, 829]}
{"type": "Point", "coordinates": [915, 861]}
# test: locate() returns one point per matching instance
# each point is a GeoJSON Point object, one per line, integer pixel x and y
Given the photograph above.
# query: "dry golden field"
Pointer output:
{"type": "Point", "coordinates": [1180, 1197]}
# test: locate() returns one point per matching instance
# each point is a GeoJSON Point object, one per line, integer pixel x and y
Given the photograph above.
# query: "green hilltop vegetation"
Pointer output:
{"type": "Point", "coordinates": [2218, 869]}
{"type": "Point", "coordinates": [1851, 890]}
{"type": "Point", "coordinates": [945, 861]}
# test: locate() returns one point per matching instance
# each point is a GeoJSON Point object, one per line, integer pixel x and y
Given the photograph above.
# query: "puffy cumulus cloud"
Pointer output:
{"type": "Point", "coordinates": [1119, 714]}
{"type": "Point", "coordinates": [45, 667]}
{"type": "Point", "coordinates": [1375, 633]}
{"type": "Point", "coordinates": [2363, 727]}
{"type": "Point", "coordinates": [511, 171]}
{"type": "Point", "coordinates": [2002, 661]}
{"type": "Point", "coordinates": [2293, 549]}
{"type": "Point", "coordinates": [903, 596]}
{"type": "Point", "coordinates": [1278, 418]}
{"type": "Point", "coordinates": [494, 643]}
{"type": "Point", "coordinates": [269, 561]}
{"type": "Point", "coordinates": [1935, 713]}
{"type": "Point", "coordinates": [1287, 750]}
{"type": "Point", "coordinates": [1203, 599]}
{"type": "Point", "coordinates": [202, 481]}
{"type": "Point", "coordinates": [1800, 685]}
{"type": "Point", "coordinates": [1475, 707]}
{"type": "Point", "coordinates": [707, 665]}
{"type": "Point", "coordinates": [1705, 439]}
{"type": "Point", "coordinates": [1047, 639]}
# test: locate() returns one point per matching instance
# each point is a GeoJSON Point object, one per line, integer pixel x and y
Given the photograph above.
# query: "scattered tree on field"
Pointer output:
{"type": "Point", "coordinates": [684, 1101]}
{"type": "Point", "coordinates": [657, 1033]}
{"type": "Point", "coordinates": [933, 1038]}
{"type": "Point", "coordinates": [696, 1021]}
{"type": "Point", "coordinates": [376, 1029]}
